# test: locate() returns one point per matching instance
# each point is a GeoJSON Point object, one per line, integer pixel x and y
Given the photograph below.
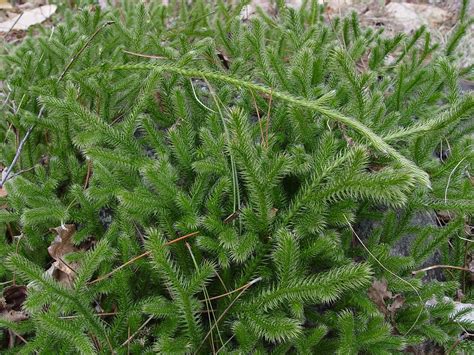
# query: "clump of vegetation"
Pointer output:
{"type": "Point", "coordinates": [189, 181]}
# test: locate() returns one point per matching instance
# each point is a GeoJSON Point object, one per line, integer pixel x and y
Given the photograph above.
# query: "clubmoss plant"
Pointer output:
{"type": "Point", "coordinates": [210, 175]}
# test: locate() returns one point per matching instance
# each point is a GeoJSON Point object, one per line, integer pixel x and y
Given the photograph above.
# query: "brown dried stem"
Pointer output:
{"type": "Point", "coordinates": [268, 117]}
{"type": "Point", "coordinates": [441, 267]}
{"type": "Point", "coordinates": [79, 52]}
{"type": "Point", "coordinates": [262, 136]}
{"type": "Point", "coordinates": [129, 339]}
{"type": "Point", "coordinates": [138, 257]}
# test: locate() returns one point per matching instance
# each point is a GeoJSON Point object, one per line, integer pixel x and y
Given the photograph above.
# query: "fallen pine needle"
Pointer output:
{"type": "Point", "coordinates": [228, 308]}
{"type": "Point", "coordinates": [129, 339]}
{"type": "Point", "coordinates": [138, 257]}
{"type": "Point", "coordinates": [143, 55]}
{"type": "Point", "coordinates": [433, 267]}
{"type": "Point", "coordinates": [104, 314]}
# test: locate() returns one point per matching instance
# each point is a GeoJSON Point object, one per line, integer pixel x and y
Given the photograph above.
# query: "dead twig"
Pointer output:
{"type": "Point", "coordinates": [18, 152]}
{"type": "Point", "coordinates": [456, 343]}
{"type": "Point", "coordinates": [28, 132]}
{"type": "Point", "coordinates": [23, 171]}
{"type": "Point", "coordinates": [14, 23]}
{"type": "Point", "coordinates": [88, 175]}
{"type": "Point", "coordinates": [349, 140]}
{"type": "Point", "coordinates": [79, 52]}
{"type": "Point", "coordinates": [223, 345]}
{"type": "Point", "coordinates": [231, 217]}
{"type": "Point", "coordinates": [67, 265]}
{"type": "Point", "coordinates": [15, 334]}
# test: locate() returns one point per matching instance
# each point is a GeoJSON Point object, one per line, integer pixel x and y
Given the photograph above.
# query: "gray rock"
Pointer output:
{"type": "Point", "coordinates": [106, 217]}
{"type": "Point", "coordinates": [402, 247]}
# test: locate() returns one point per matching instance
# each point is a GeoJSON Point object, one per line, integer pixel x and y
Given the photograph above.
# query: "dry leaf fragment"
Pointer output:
{"type": "Point", "coordinates": [14, 316]}
{"type": "Point", "coordinates": [397, 303]}
{"type": "Point", "coordinates": [224, 59]}
{"type": "Point", "coordinates": [3, 194]}
{"type": "Point", "coordinates": [378, 292]}
{"type": "Point", "coordinates": [444, 217]}
{"type": "Point", "coordinates": [272, 213]}
{"type": "Point", "coordinates": [11, 303]}
{"type": "Point", "coordinates": [61, 246]}
{"type": "Point", "coordinates": [28, 18]}
{"type": "Point", "coordinates": [374, 167]}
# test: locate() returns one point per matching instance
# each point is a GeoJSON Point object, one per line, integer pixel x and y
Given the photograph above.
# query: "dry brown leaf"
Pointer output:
{"type": "Point", "coordinates": [272, 213]}
{"type": "Point", "coordinates": [386, 303]}
{"type": "Point", "coordinates": [375, 167]}
{"type": "Point", "coordinates": [14, 316]}
{"type": "Point", "coordinates": [3, 194]}
{"type": "Point", "coordinates": [378, 292]}
{"type": "Point", "coordinates": [61, 246]}
{"type": "Point", "coordinates": [444, 217]}
{"type": "Point", "coordinates": [28, 18]}
{"type": "Point", "coordinates": [224, 59]}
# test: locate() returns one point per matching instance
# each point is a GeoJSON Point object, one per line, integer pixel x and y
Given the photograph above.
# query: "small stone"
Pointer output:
{"type": "Point", "coordinates": [412, 16]}
{"type": "Point", "coordinates": [106, 217]}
